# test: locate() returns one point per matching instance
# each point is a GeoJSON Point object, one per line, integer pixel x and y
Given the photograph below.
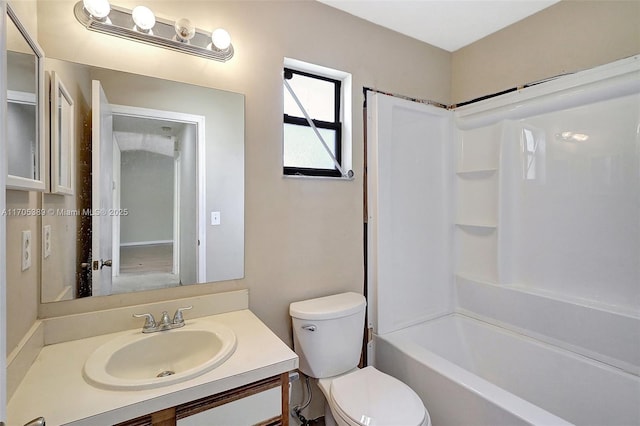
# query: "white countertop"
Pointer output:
{"type": "Point", "coordinates": [55, 388]}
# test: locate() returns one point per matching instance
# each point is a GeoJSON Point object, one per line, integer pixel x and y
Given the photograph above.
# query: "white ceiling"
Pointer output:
{"type": "Point", "coordinates": [146, 134]}
{"type": "Point", "coordinates": [448, 24]}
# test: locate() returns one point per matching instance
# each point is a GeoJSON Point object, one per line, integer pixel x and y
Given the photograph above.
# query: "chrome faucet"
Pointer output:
{"type": "Point", "coordinates": [166, 323]}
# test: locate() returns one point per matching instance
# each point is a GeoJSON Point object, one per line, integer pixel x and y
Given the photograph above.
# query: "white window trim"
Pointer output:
{"type": "Point", "coordinates": [346, 111]}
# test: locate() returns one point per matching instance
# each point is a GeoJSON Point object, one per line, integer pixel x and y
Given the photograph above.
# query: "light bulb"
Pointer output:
{"type": "Point", "coordinates": [98, 9]}
{"type": "Point", "coordinates": [144, 18]}
{"type": "Point", "coordinates": [185, 30]}
{"type": "Point", "coordinates": [221, 39]}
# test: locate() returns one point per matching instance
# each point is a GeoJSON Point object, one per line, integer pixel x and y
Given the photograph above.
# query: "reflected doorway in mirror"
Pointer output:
{"type": "Point", "coordinates": [145, 194]}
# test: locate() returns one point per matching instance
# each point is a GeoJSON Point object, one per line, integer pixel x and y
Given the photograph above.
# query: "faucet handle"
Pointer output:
{"type": "Point", "coordinates": [149, 323]}
{"type": "Point", "coordinates": [178, 319]}
{"type": "Point", "coordinates": [165, 321]}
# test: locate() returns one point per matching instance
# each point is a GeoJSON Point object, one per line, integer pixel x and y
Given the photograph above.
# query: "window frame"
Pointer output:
{"type": "Point", "coordinates": [336, 125]}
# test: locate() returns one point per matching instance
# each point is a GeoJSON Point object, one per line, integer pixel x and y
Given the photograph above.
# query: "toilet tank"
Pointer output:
{"type": "Point", "coordinates": [327, 333]}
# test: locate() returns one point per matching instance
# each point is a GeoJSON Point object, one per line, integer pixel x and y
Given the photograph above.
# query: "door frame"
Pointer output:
{"type": "Point", "coordinates": [199, 122]}
{"type": "Point", "coordinates": [115, 230]}
{"type": "Point", "coordinates": [3, 218]}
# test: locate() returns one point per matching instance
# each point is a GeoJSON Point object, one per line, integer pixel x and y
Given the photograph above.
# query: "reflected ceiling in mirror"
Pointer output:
{"type": "Point", "coordinates": [155, 160]}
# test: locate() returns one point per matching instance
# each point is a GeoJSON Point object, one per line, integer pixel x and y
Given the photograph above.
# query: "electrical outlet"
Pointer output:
{"type": "Point", "coordinates": [26, 250]}
{"type": "Point", "coordinates": [46, 241]}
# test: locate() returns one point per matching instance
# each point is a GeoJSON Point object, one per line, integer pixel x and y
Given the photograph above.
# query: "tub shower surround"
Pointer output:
{"type": "Point", "coordinates": [539, 323]}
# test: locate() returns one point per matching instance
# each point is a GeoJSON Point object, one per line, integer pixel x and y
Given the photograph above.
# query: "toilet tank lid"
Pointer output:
{"type": "Point", "coordinates": [328, 307]}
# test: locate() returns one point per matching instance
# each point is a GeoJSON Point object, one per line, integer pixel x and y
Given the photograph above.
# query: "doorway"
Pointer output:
{"type": "Point", "coordinates": [155, 194]}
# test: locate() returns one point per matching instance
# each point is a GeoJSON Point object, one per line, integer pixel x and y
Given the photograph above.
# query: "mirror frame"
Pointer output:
{"type": "Point", "coordinates": [3, 219]}
{"type": "Point", "coordinates": [62, 119]}
{"type": "Point", "coordinates": [18, 182]}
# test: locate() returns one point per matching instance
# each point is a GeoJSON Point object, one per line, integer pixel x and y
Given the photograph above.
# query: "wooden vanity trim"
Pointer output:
{"type": "Point", "coordinates": [213, 401]}
{"type": "Point", "coordinates": [169, 416]}
{"type": "Point", "coordinates": [164, 418]}
{"type": "Point", "coordinates": [284, 383]}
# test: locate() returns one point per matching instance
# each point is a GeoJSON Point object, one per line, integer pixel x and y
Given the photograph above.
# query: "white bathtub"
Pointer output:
{"type": "Point", "coordinates": [469, 372]}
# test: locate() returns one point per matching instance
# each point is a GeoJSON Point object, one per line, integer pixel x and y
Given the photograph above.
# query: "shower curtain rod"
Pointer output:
{"type": "Point", "coordinates": [472, 101]}
{"type": "Point", "coordinates": [408, 98]}
{"type": "Point", "coordinates": [513, 89]}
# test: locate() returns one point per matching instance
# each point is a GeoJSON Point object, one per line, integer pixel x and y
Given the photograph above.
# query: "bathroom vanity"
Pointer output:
{"type": "Point", "coordinates": [250, 387]}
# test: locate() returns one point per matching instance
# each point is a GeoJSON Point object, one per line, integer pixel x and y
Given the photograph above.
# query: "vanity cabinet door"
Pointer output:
{"type": "Point", "coordinates": [261, 403]}
{"type": "Point", "coordinates": [264, 403]}
{"type": "Point", "coordinates": [260, 408]}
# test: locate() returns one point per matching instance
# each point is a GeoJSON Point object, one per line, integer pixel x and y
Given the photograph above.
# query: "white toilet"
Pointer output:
{"type": "Point", "coordinates": [327, 336]}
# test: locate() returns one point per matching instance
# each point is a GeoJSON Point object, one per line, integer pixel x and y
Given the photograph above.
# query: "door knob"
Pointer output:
{"type": "Point", "coordinates": [108, 263]}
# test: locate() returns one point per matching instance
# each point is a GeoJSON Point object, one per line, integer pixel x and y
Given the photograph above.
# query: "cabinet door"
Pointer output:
{"type": "Point", "coordinates": [251, 410]}
{"type": "Point", "coordinates": [265, 402]}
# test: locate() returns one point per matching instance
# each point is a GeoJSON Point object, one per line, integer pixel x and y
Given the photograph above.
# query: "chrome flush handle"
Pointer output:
{"type": "Point", "coordinates": [309, 327]}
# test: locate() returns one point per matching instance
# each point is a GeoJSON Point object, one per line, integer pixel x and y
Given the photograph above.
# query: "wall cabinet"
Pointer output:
{"type": "Point", "coordinates": [25, 147]}
{"type": "Point", "coordinates": [265, 402]}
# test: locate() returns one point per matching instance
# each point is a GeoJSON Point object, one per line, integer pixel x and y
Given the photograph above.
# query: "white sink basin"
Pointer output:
{"type": "Point", "coordinates": [143, 361]}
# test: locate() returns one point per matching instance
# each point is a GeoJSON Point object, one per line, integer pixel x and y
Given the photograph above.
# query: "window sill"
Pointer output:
{"type": "Point", "coordinates": [305, 177]}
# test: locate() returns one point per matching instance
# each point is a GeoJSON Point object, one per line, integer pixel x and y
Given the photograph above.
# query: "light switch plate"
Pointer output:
{"type": "Point", "coordinates": [26, 250]}
{"type": "Point", "coordinates": [215, 218]}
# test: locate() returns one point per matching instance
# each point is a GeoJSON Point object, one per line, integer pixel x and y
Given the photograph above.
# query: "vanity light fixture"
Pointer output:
{"type": "Point", "coordinates": [140, 24]}
{"type": "Point", "coordinates": [185, 30]}
{"type": "Point", "coordinates": [97, 9]}
{"type": "Point", "coordinates": [221, 39]}
{"type": "Point", "coordinates": [143, 18]}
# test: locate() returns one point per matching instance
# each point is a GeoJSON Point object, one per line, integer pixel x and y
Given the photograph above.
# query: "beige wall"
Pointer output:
{"type": "Point", "coordinates": [303, 238]}
{"type": "Point", "coordinates": [22, 291]}
{"type": "Point", "coordinates": [569, 36]}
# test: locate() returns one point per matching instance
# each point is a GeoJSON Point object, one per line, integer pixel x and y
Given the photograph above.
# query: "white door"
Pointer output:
{"type": "Point", "coordinates": [102, 191]}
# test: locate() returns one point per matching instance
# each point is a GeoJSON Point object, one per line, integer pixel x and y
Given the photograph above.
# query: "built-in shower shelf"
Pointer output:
{"type": "Point", "coordinates": [478, 225]}
{"type": "Point", "coordinates": [477, 173]}
{"type": "Point", "coordinates": [477, 215]}
{"type": "Point", "coordinates": [476, 248]}
{"type": "Point", "coordinates": [462, 276]}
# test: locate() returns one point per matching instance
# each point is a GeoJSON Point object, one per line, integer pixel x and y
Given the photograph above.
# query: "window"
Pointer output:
{"type": "Point", "coordinates": [313, 144]}
{"type": "Point", "coordinates": [533, 149]}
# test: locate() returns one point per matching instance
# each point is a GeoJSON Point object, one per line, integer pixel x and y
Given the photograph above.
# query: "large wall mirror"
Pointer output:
{"type": "Point", "coordinates": [159, 186]}
{"type": "Point", "coordinates": [25, 108]}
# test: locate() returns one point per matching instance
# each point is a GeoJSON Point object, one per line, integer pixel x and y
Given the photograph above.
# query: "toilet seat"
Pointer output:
{"type": "Point", "coordinates": [369, 397]}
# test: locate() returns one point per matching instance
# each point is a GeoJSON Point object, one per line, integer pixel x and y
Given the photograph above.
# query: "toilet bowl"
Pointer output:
{"type": "Point", "coordinates": [327, 336]}
{"type": "Point", "coordinates": [368, 397]}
